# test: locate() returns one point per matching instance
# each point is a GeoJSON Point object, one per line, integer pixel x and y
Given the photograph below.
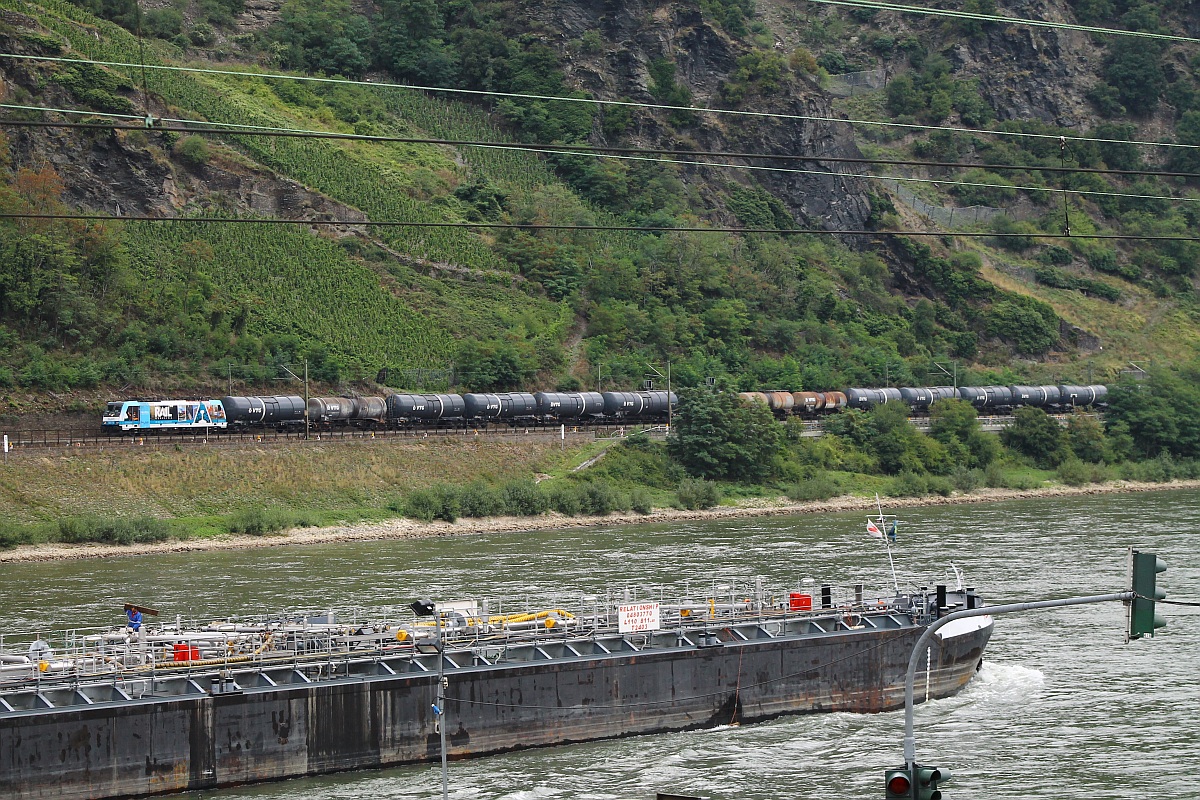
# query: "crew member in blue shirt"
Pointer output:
{"type": "Point", "coordinates": [135, 618]}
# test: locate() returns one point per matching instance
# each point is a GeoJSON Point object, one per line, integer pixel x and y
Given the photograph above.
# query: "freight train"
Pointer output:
{"type": "Point", "coordinates": [408, 410]}
{"type": "Point", "coordinates": [393, 411]}
{"type": "Point", "coordinates": [993, 399]}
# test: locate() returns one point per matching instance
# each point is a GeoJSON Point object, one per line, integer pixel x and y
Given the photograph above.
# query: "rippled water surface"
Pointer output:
{"type": "Point", "coordinates": [1060, 696]}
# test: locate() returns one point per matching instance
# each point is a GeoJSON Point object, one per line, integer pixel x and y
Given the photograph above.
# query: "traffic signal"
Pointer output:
{"type": "Point", "coordinates": [1143, 570]}
{"type": "Point", "coordinates": [897, 784]}
{"type": "Point", "coordinates": [927, 779]}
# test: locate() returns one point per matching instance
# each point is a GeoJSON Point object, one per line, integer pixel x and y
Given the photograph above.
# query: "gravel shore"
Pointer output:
{"type": "Point", "coordinates": [410, 529]}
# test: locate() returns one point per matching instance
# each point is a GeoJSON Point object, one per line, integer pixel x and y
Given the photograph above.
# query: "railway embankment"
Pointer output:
{"type": "Point", "coordinates": [401, 528]}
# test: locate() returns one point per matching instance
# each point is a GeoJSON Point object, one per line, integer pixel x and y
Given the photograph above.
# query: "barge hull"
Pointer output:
{"type": "Point", "coordinates": [215, 738]}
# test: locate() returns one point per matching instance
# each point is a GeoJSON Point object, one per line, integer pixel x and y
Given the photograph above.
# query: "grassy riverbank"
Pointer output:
{"type": "Point", "coordinates": [121, 501]}
{"type": "Point", "coordinates": [141, 497]}
{"type": "Point", "coordinates": [204, 492]}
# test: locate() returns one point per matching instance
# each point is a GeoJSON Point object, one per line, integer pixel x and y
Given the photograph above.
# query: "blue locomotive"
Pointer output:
{"type": "Point", "coordinates": [131, 416]}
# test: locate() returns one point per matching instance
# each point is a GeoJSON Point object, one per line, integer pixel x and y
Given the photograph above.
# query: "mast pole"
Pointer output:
{"type": "Point", "coordinates": [895, 581]}
{"type": "Point", "coordinates": [887, 543]}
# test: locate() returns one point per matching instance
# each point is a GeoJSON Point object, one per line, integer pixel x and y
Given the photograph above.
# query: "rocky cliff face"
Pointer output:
{"type": "Point", "coordinates": [1033, 74]}
{"type": "Point", "coordinates": [1024, 74]}
{"type": "Point", "coordinates": [636, 33]}
{"type": "Point", "coordinates": [137, 172]}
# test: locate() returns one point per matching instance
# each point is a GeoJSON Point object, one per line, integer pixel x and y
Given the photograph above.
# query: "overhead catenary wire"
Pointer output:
{"type": "Point", "coordinates": [594, 101]}
{"type": "Point", "coordinates": [179, 125]}
{"type": "Point", "coordinates": [897, 178]}
{"type": "Point", "coordinates": [351, 223]}
{"type": "Point", "coordinates": [878, 5]}
{"type": "Point", "coordinates": [597, 152]}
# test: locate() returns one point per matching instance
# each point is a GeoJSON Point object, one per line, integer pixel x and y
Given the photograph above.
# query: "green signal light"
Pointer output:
{"type": "Point", "coordinates": [928, 780]}
{"type": "Point", "coordinates": [1143, 573]}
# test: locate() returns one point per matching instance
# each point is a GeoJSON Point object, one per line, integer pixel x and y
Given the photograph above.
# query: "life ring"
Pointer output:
{"type": "Point", "coordinates": [851, 620]}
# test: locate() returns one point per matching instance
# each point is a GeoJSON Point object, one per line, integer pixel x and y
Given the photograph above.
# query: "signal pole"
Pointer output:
{"type": "Point", "coordinates": [920, 782]}
{"type": "Point", "coordinates": [296, 377]}
{"type": "Point", "coordinates": [667, 377]}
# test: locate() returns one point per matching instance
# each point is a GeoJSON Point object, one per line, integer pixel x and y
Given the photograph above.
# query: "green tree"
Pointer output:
{"type": "Point", "coordinates": [412, 42]}
{"type": "Point", "coordinates": [903, 97]}
{"type": "Point", "coordinates": [1085, 437]}
{"type": "Point", "coordinates": [123, 12]}
{"type": "Point", "coordinates": [162, 22]}
{"type": "Point", "coordinates": [495, 366]}
{"type": "Point", "coordinates": [900, 447]}
{"type": "Point", "coordinates": [193, 151]}
{"type": "Point", "coordinates": [1036, 434]}
{"type": "Point", "coordinates": [955, 423]}
{"type": "Point", "coordinates": [1031, 325]}
{"type": "Point", "coordinates": [1187, 131]}
{"type": "Point", "coordinates": [667, 91]}
{"type": "Point", "coordinates": [1117, 154]}
{"type": "Point", "coordinates": [715, 435]}
{"type": "Point", "coordinates": [1134, 68]}
{"type": "Point", "coordinates": [1150, 413]}
{"type": "Point", "coordinates": [315, 35]}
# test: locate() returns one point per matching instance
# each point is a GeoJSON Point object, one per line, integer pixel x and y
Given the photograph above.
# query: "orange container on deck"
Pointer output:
{"type": "Point", "coordinates": [185, 652]}
{"type": "Point", "coordinates": [800, 602]}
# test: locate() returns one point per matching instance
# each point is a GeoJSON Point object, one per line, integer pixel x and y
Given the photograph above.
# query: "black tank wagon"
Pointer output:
{"type": "Point", "coordinates": [273, 411]}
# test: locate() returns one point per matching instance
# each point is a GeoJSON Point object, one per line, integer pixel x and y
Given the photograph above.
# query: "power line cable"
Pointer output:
{"type": "Point", "coordinates": [350, 223]}
{"type": "Point", "coordinates": [898, 178]}
{"type": "Point", "coordinates": [594, 101]}
{"type": "Point", "coordinates": [594, 153]}
{"type": "Point", "coordinates": [234, 129]}
{"type": "Point", "coordinates": [1038, 23]}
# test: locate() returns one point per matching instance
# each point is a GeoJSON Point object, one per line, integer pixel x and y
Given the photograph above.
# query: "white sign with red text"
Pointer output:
{"type": "Point", "coordinates": [638, 617]}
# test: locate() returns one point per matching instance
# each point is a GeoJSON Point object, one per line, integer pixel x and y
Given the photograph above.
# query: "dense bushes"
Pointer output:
{"type": "Point", "coordinates": [1031, 325]}
{"type": "Point", "coordinates": [816, 486]}
{"type": "Point", "coordinates": [1048, 276]}
{"type": "Point", "coordinates": [596, 497]}
{"type": "Point", "coordinates": [260, 521]}
{"type": "Point", "coordinates": [116, 530]}
{"type": "Point", "coordinates": [915, 484]}
{"type": "Point", "coordinates": [697, 493]}
{"type": "Point", "coordinates": [15, 534]}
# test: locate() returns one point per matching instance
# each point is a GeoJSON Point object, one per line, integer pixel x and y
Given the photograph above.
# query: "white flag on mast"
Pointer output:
{"type": "Point", "coordinates": [873, 530]}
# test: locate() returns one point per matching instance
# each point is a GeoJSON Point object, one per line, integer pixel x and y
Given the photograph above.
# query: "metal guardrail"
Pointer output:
{"type": "Point", "coordinates": [67, 657]}
{"type": "Point", "coordinates": [991, 423]}
{"type": "Point", "coordinates": [89, 438]}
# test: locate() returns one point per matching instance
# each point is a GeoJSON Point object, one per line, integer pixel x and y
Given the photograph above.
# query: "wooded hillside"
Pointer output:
{"type": "Point", "coordinates": [144, 306]}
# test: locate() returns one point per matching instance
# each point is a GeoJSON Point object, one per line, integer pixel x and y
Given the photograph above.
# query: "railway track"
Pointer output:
{"type": "Point", "coordinates": [76, 439]}
{"type": "Point", "coordinates": [90, 439]}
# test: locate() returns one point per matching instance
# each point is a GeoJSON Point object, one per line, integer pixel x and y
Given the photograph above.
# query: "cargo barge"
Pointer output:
{"type": "Point", "coordinates": [182, 706]}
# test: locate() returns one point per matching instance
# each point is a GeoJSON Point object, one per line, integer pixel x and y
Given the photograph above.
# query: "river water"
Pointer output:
{"type": "Point", "coordinates": [1062, 708]}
